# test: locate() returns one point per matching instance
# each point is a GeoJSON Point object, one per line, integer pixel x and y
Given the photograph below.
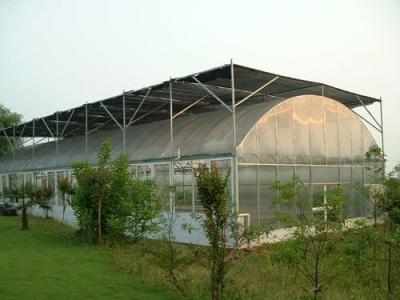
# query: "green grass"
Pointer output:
{"type": "Point", "coordinates": [47, 262]}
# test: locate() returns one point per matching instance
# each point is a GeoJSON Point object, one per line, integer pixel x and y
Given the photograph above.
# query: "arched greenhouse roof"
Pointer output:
{"type": "Point", "coordinates": [207, 134]}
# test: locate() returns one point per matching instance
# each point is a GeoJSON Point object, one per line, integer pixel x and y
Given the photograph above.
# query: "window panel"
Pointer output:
{"type": "Point", "coordinates": [161, 178]}
{"type": "Point", "coordinates": [268, 210]}
{"type": "Point", "coordinates": [183, 181]}
{"type": "Point", "coordinates": [248, 192]}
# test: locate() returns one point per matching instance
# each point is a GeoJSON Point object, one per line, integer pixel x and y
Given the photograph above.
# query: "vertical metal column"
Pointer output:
{"type": "Point", "coordinates": [57, 137]}
{"type": "Point", "coordinates": [171, 173]}
{"type": "Point", "coordinates": [235, 165]}
{"type": "Point", "coordinates": [382, 140]}
{"type": "Point", "coordinates": [33, 139]}
{"type": "Point", "coordinates": [171, 128]}
{"type": "Point", "coordinates": [14, 142]}
{"type": "Point", "coordinates": [86, 130]}
{"type": "Point", "coordinates": [123, 123]}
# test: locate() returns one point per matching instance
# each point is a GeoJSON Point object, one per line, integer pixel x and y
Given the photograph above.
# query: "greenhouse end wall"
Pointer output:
{"type": "Point", "coordinates": [315, 138]}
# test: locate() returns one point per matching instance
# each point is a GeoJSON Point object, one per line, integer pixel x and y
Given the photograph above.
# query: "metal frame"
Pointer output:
{"type": "Point", "coordinates": [188, 104]}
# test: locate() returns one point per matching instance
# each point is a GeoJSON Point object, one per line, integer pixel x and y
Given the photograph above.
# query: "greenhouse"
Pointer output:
{"type": "Point", "coordinates": [258, 126]}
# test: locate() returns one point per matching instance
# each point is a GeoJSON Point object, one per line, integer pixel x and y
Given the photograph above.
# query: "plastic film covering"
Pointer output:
{"type": "Point", "coordinates": [316, 138]}
{"type": "Point", "coordinates": [206, 134]}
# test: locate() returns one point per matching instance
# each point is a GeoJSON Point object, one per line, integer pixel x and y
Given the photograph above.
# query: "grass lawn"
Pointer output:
{"type": "Point", "coordinates": [46, 262]}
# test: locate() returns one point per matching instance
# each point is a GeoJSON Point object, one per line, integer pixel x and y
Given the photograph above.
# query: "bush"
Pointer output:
{"type": "Point", "coordinates": [108, 201]}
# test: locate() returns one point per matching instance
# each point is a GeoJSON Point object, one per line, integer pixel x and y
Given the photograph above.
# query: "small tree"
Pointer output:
{"type": "Point", "coordinates": [312, 233]}
{"type": "Point", "coordinates": [144, 206]}
{"type": "Point", "coordinates": [42, 197]}
{"type": "Point", "coordinates": [375, 160]}
{"type": "Point", "coordinates": [66, 189]}
{"type": "Point", "coordinates": [169, 256]}
{"type": "Point", "coordinates": [24, 197]}
{"type": "Point", "coordinates": [90, 198]}
{"type": "Point", "coordinates": [213, 194]}
{"type": "Point", "coordinates": [392, 219]}
{"type": "Point", "coordinates": [108, 200]}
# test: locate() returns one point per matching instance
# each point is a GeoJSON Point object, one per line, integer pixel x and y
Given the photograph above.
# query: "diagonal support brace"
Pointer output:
{"type": "Point", "coordinates": [212, 94]}
{"type": "Point", "coordinates": [48, 128]}
{"type": "Point", "coordinates": [256, 91]}
{"type": "Point", "coordinates": [110, 114]}
{"type": "Point", "coordinates": [365, 107]}
{"type": "Point", "coordinates": [138, 109]}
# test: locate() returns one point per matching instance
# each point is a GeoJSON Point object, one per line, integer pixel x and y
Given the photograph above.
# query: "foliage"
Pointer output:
{"type": "Point", "coordinates": [213, 195]}
{"type": "Point", "coordinates": [313, 231]}
{"type": "Point", "coordinates": [145, 205]}
{"type": "Point", "coordinates": [108, 201]}
{"type": "Point", "coordinates": [386, 207]}
{"type": "Point", "coordinates": [90, 201]}
{"type": "Point", "coordinates": [24, 196]}
{"type": "Point", "coordinates": [66, 189]}
{"type": "Point", "coordinates": [391, 207]}
{"type": "Point", "coordinates": [8, 118]}
{"type": "Point", "coordinates": [170, 256]}
{"type": "Point", "coordinates": [42, 197]}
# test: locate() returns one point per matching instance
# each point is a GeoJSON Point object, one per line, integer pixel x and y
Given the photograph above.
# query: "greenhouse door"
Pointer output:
{"type": "Point", "coordinates": [319, 194]}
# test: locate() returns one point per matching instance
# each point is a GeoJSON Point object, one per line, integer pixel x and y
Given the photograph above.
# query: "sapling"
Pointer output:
{"type": "Point", "coordinates": [312, 232]}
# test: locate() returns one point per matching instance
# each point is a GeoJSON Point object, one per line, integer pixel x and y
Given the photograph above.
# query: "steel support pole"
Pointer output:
{"type": "Point", "coordinates": [171, 112]}
{"type": "Point", "coordinates": [234, 157]}
{"type": "Point", "coordinates": [33, 139]}
{"type": "Point", "coordinates": [382, 139]}
{"type": "Point", "coordinates": [57, 137]}
{"type": "Point", "coordinates": [14, 142]}
{"type": "Point", "coordinates": [86, 130]}
{"type": "Point", "coordinates": [123, 123]}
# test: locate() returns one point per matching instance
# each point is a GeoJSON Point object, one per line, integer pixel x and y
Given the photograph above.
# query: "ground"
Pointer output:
{"type": "Point", "coordinates": [47, 262]}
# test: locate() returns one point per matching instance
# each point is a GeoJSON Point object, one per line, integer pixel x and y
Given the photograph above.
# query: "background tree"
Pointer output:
{"type": "Point", "coordinates": [8, 118]}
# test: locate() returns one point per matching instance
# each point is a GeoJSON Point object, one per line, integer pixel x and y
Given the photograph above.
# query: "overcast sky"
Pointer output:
{"type": "Point", "coordinates": [55, 55]}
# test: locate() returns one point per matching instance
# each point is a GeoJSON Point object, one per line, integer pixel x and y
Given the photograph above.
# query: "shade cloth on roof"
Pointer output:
{"type": "Point", "coordinates": [185, 91]}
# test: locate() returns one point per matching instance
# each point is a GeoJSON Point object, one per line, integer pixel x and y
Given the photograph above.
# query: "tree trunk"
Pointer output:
{"type": "Point", "coordinates": [389, 273]}
{"type": "Point", "coordinates": [64, 206]}
{"type": "Point", "coordinates": [25, 224]}
{"type": "Point", "coordinates": [99, 222]}
{"type": "Point", "coordinates": [317, 288]}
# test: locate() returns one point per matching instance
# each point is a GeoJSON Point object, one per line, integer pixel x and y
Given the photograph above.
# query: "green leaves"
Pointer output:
{"type": "Point", "coordinates": [108, 195]}
{"type": "Point", "coordinates": [8, 118]}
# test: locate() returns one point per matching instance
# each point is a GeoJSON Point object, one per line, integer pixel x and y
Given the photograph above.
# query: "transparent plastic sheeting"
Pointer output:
{"type": "Point", "coordinates": [206, 134]}
{"type": "Point", "coordinates": [318, 139]}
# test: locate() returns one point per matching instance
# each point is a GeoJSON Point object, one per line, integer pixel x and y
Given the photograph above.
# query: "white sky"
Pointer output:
{"type": "Point", "coordinates": [55, 55]}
